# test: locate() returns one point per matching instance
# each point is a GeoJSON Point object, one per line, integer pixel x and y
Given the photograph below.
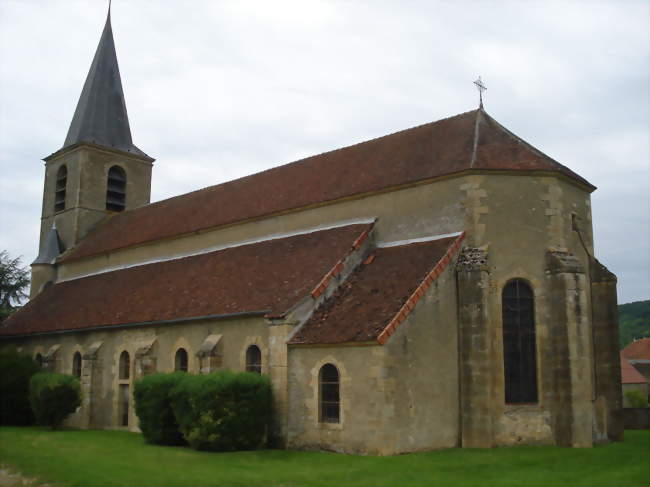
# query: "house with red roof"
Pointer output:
{"type": "Point", "coordinates": [632, 380]}
{"type": "Point", "coordinates": [432, 288]}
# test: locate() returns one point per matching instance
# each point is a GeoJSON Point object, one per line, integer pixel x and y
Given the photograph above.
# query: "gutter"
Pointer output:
{"type": "Point", "coordinates": [241, 314]}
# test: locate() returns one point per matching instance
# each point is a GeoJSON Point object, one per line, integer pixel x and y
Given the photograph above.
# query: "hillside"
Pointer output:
{"type": "Point", "coordinates": [633, 321]}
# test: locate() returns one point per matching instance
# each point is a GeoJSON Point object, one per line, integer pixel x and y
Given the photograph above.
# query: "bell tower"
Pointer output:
{"type": "Point", "coordinates": [98, 172]}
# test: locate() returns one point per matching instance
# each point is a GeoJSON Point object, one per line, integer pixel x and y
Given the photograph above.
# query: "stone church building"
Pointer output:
{"type": "Point", "coordinates": [431, 288]}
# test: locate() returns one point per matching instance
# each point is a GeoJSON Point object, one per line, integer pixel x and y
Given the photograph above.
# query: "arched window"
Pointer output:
{"type": "Point", "coordinates": [254, 359]}
{"type": "Point", "coordinates": [76, 365]}
{"type": "Point", "coordinates": [59, 192]}
{"type": "Point", "coordinates": [39, 359]}
{"type": "Point", "coordinates": [519, 350]}
{"type": "Point", "coordinates": [328, 380]}
{"type": "Point", "coordinates": [125, 366]}
{"type": "Point", "coordinates": [116, 189]}
{"type": "Point", "coordinates": [180, 360]}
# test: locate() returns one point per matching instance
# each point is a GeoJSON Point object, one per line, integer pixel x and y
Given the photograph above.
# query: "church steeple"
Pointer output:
{"type": "Point", "coordinates": [101, 117]}
{"type": "Point", "coordinates": [98, 171]}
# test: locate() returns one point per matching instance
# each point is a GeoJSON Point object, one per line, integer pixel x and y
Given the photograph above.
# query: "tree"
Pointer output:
{"type": "Point", "coordinates": [14, 280]}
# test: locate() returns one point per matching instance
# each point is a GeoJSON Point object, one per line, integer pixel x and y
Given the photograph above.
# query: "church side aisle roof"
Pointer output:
{"type": "Point", "coordinates": [369, 300]}
{"type": "Point", "coordinates": [268, 278]}
{"type": "Point", "coordinates": [472, 140]}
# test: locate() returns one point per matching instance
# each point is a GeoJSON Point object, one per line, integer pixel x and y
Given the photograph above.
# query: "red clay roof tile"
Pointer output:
{"type": "Point", "coordinates": [366, 303]}
{"type": "Point", "coordinates": [638, 349]}
{"type": "Point", "coordinates": [629, 374]}
{"type": "Point", "coordinates": [428, 151]}
{"type": "Point", "coordinates": [269, 276]}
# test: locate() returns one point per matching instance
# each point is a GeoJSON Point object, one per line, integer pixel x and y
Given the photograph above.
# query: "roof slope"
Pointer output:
{"type": "Point", "coordinates": [270, 276]}
{"type": "Point", "coordinates": [629, 374]}
{"type": "Point", "coordinates": [100, 117]}
{"type": "Point", "coordinates": [472, 140]}
{"type": "Point", "coordinates": [364, 305]}
{"type": "Point", "coordinates": [638, 350]}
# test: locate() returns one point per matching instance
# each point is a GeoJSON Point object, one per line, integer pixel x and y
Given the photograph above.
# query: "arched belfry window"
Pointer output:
{"type": "Point", "coordinates": [125, 366]}
{"type": "Point", "coordinates": [329, 397]}
{"type": "Point", "coordinates": [76, 365]}
{"type": "Point", "coordinates": [59, 191]}
{"type": "Point", "coordinates": [116, 189]}
{"type": "Point", "coordinates": [254, 359]}
{"type": "Point", "coordinates": [180, 360]}
{"type": "Point", "coordinates": [519, 349]}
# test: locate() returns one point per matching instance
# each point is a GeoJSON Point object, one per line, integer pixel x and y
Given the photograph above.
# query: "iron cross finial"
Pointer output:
{"type": "Point", "coordinates": [481, 88]}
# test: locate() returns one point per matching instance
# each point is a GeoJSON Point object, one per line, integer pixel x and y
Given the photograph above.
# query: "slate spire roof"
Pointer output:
{"type": "Point", "coordinates": [100, 117]}
{"type": "Point", "coordinates": [51, 249]}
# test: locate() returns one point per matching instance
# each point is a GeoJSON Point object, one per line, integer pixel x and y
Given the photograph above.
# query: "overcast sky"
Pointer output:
{"type": "Point", "coordinates": [220, 89]}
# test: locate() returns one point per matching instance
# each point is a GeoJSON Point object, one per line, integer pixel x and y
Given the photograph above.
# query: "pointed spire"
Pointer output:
{"type": "Point", "coordinates": [100, 117]}
{"type": "Point", "coordinates": [52, 248]}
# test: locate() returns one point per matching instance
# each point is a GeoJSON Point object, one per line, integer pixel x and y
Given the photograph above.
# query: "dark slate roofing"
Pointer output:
{"type": "Point", "coordinates": [269, 277]}
{"type": "Point", "coordinates": [472, 140]}
{"type": "Point", "coordinates": [100, 117]}
{"type": "Point", "coordinates": [364, 306]}
{"type": "Point", "coordinates": [51, 249]}
{"type": "Point", "coordinates": [629, 374]}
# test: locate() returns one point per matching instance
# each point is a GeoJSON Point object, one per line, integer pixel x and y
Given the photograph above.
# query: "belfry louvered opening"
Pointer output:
{"type": "Point", "coordinates": [116, 189]}
{"type": "Point", "coordinates": [61, 185]}
{"type": "Point", "coordinates": [519, 348]}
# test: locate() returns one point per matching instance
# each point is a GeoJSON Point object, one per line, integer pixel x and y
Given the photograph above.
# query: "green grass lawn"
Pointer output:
{"type": "Point", "coordinates": [113, 458]}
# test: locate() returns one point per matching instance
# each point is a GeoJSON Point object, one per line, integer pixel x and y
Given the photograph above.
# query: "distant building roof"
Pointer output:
{"type": "Point", "coordinates": [638, 349]}
{"type": "Point", "coordinates": [470, 141]}
{"type": "Point", "coordinates": [629, 374]}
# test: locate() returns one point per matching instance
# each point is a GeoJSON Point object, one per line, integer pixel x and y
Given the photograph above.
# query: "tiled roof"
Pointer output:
{"type": "Point", "coordinates": [378, 295]}
{"type": "Point", "coordinates": [270, 276]}
{"type": "Point", "coordinates": [629, 374]}
{"type": "Point", "coordinates": [472, 140]}
{"type": "Point", "coordinates": [638, 350]}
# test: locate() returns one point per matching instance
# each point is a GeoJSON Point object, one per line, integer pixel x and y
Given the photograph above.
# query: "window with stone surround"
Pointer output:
{"type": "Point", "coordinates": [125, 366]}
{"type": "Point", "coordinates": [180, 360]}
{"type": "Point", "coordinates": [60, 189]}
{"type": "Point", "coordinates": [116, 189]}
{"type": "Point", "coordinates": [519, 348]}
{"type": "Point", "coordinates": [254, 359]}
{"type": "Point", "coordinates": [76, 365]}
{"type": "Point", "coordinates": [329, 397]}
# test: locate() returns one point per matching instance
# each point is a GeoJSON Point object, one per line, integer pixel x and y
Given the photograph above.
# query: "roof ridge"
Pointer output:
{"type": "Point", "coordinates": [125, 214]}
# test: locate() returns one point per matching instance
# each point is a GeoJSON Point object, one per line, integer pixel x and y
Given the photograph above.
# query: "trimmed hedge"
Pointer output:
{"type": "Point", "coordinates": [15, 372]}
{"type": "Point", "coordinates": [223, 411]}
{"type": "Point", "coordinates": [154, 410]}
{"type": "Point", "coordinates": [636, 399]}
{"type": "Point", "coordinates": [54, 397]}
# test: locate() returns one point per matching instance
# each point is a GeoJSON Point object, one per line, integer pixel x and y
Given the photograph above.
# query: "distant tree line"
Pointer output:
{"type": "Point", "coordinates": [633, 322]}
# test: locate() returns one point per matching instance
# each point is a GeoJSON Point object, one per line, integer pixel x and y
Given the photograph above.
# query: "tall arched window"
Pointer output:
{"type": "Point", "coordinates": [59, 191]}
{"type": "Point", "coordinates": [519, 350]}
{"type": "Point", "coordinates": [254, 359]}
{"type": "Point", "coordinates": [125, 366]}
{"type": "Point", "coordinates": [329, 398]}
{"type": "Point", "coordinates": [39, 359]}
{"type": "Point", "coordinates": [180, 360]}
{"type": "Point", "coordinates": [116, 189]}
{"type": "Point", "coordinates": [76, 365]}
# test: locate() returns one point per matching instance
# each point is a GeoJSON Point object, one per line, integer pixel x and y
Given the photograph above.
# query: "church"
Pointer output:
{"type": "Point", "coordinates": [432, 288]}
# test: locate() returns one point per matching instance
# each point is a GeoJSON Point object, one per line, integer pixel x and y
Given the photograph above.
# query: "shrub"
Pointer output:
{"type": "Point", "coordinates": [53, 397]}
{"type": "Point", "coordinates": [636, 399]}
{"type": "Point", "coordinates": [15, 372]}
{"type": "Point", "coordinates": [223, 411]}
{"type": "Point", "coordinates": [154, 410]}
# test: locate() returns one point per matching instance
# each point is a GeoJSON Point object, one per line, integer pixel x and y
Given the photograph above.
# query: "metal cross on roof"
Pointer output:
{"type": "Point", "coordinates": [481, 88]}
